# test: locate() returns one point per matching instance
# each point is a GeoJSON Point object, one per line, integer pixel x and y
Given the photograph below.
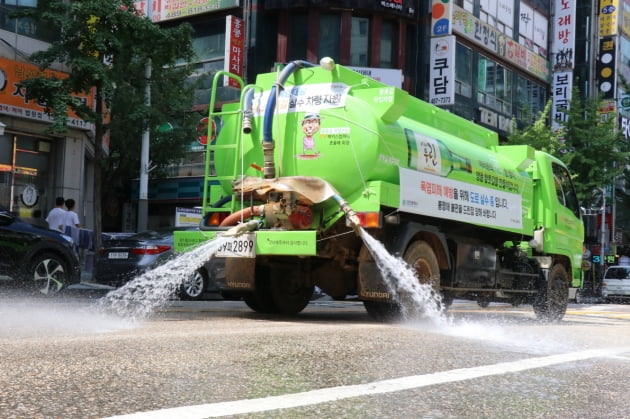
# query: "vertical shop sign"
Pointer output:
{"type": "Point", "coordinates": [608, 14]}
{"type": "Point", "coordinates": [441, 14]}
{"type": "Point", "coordinates": [562, 85]}
{"type": "Point", "coordinates": [606, 61]}
{"type": "Point", "coordinates": [234, 49]}
{"type": "Point", "coordinates": [442, 75]}
{"type": "Point", "coordinates": [563, 46]}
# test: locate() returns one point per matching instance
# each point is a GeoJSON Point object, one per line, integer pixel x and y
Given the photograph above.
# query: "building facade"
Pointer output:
{"type": "Point", "coordinates": [36, 167]}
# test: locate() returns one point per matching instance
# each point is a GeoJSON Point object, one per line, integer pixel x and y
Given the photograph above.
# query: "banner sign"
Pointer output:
{"type": "Point", "coordinates": [162, 10]}
{"type": "Point", "coordinates": [562, 53]}
{"type": "Point", "coordinates": [234, 49]}
{"type": "Point", "coordinates": [489, 38]}
{"type": "Point", "coordinates": [606, 61]}
{"type": "Point", "coordinates": [442, 71]}
{"type": "Point", "coordinates": [441, 14]}
{"type": "Point", "coordinates": [437, 196]}
{"type": "Point", "coordinates": [608, 16]}
{"type": "Point", "coordinates": [14, 98]}
{"type": "Point", "coordinates": [561, 97]}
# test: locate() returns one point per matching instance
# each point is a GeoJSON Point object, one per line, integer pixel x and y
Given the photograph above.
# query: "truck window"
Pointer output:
{"type": "Point", "coordinates": [564, 189]}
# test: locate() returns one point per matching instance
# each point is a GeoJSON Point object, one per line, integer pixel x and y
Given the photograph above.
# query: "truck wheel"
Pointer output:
{"type": "Point", "coordinates": [382, 311]}
{"type": "Point", "coordinates": [288, 292]}
{"type": "Point", "coordinates": [551, 302]}
{"type": "Point", "coordinates": [260, 299]}
{"type": "Point", "coordinates": [421, 257]}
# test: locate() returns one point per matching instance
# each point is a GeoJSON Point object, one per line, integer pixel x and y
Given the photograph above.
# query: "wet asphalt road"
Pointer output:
{"type": "Point", "coordinates": [61, 358]}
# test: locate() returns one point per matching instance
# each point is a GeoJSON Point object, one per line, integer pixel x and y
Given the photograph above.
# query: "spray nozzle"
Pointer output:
{"type": "Point", "coordinates": [352, 218]}
{"type": "Point", "coordinates": [241, 228]}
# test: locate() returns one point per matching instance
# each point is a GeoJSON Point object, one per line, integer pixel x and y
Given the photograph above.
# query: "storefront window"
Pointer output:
{"type": "Point", "coordinates": [25, 26]}
{"type": "Point", "coordinates": [24, 170]}
{"type": "Point", "coordinates": [298, 37]}
{"type": "Point", "coordinates": [530, 99]}
{"type": "Point", "coordinates": [494, 85]}
{"type": "Point", "coordinates": [463, 70]}
{"type": "Point", "coordinates": [387, 42]}
{"type": "Point", "coordinates": [359, 41]}
{"type": "Point", "coordinates": [329, 26]}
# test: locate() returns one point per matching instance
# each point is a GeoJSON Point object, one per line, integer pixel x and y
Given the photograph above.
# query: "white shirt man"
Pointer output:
{"type": "Point", "coordinates": [71, 218]}
{"type": "Point", "coordinates": [55, 218]}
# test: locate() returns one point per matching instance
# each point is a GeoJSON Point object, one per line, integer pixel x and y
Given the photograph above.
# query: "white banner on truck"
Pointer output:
{"type": "Point", "coordinates": [441, 197]}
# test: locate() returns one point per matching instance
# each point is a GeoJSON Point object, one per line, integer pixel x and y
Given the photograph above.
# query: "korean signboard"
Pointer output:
{"type": "Point", "coordinates": [441, 13]}
{"type": "Point", "coordinates": [563, 42]}
{"type": "Point", "coordinates": [14, 98]}
{"type": "Point", "coordinates": [308, 97]}
{"type": "Point", "coordinates": [562, 49]}
{"type": "Point", "coordinates": [561, 96]}
{"type": "Point", "coordinates": [441, 197]}
{"type": "Point", "coordinates": [442, 71]}
{"type": "Point", "coordinates": [608, 15]}
{"type": "Point", "coordinates": [162, 10]}
{"type": "Point", "coordinates": [390, 76]}
{"type": "Point", "coordinates": [489, 38]}
{"type": "Point", "coordinates": [234, 48]}
{"type": "Point", "coordinates": [606, 63]}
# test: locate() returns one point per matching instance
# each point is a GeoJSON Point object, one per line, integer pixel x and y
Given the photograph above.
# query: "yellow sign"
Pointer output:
{"type": "Point", "coordinates": [608, 15]}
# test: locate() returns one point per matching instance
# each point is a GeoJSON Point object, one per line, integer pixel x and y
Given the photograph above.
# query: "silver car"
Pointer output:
{"type": "Point", "coordinates": [616, 283]}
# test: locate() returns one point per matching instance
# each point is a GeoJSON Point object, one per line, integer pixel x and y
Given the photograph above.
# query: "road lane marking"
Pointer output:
{"type": "Point", "coordinates": [331, 394]}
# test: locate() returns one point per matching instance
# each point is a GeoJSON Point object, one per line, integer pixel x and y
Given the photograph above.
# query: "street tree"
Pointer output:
{"type": "Point", "coordinates": [588, 143]}
{"type": "Point", "coordinates": [596, 151]}
{"type": "Point", "coordinates": [106, 46]}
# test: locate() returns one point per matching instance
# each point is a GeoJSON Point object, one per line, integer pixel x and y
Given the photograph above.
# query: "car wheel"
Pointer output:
{"type": "Point", "coordinates": [194, 286]}
{"type": "Point", "coordinates": [47, 274]}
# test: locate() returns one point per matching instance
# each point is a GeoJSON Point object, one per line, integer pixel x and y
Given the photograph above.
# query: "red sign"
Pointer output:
{"type": "Point", "coordinates": [234, 48]}
{"type": "Point", "coordinates": [202, 131]}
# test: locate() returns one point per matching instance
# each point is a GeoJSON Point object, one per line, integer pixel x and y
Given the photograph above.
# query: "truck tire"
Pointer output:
{"type": "Point", "coordinates": [288, 292]}
{"type": "Point", "coordinates": [421, 258]}
{"type": "Point", "coordinates": [382, 311]}
{"type": "Point", "coordinates": [551, 302]}
{"type": "Point", "coordinates": [260, 299]}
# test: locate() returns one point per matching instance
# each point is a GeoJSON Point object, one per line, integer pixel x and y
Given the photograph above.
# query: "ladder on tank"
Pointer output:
{"type": "Point", "coordinates": [213, 200]}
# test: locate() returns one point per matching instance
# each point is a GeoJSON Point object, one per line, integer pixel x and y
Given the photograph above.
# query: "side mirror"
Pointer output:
{"type": "Point", "coordinates": [6, 217]}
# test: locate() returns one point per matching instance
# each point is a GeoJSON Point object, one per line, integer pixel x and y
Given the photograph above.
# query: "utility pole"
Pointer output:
{"type": "Point", "coordinates": [603, 239]}
{"type": "Point", "coordinates": [143, 198]}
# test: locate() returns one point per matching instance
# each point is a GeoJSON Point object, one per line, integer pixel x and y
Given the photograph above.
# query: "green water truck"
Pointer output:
{"type": "Point", "coordinates": [313, 155]}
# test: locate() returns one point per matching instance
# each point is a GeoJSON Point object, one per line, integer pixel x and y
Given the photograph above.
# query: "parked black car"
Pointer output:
{"type": "Point", "coordinates": [36, 258]}
{"type": "Point", "coordinates": [121, 259]}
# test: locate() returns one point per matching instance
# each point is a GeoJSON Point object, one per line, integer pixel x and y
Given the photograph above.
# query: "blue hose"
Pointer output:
{"type": "Point", "coordinates": [271, 102]}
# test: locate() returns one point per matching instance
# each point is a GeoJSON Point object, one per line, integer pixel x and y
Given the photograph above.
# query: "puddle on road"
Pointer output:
{"type": "Point", "coordinates": [35, 317]}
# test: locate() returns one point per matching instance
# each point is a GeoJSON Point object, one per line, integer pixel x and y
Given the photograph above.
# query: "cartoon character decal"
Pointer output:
{"type": "Point", "coordinates": [310, 126]}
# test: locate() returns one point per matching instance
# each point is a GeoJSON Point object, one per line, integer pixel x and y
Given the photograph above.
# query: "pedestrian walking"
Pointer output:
{"type": "Point", "coordinates": [55, 218]}
{"type": "Point", "coordinates": [71, 218]}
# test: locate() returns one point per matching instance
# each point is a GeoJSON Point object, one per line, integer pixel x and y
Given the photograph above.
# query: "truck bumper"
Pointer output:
{"type": "Point", "coordinates": [266, 242]}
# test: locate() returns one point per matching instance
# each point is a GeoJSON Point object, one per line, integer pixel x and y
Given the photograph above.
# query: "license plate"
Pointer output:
{"type": "Point", "coordinates": [243, 246]}
{"type": "Point", "coordinates": [118, 255]}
